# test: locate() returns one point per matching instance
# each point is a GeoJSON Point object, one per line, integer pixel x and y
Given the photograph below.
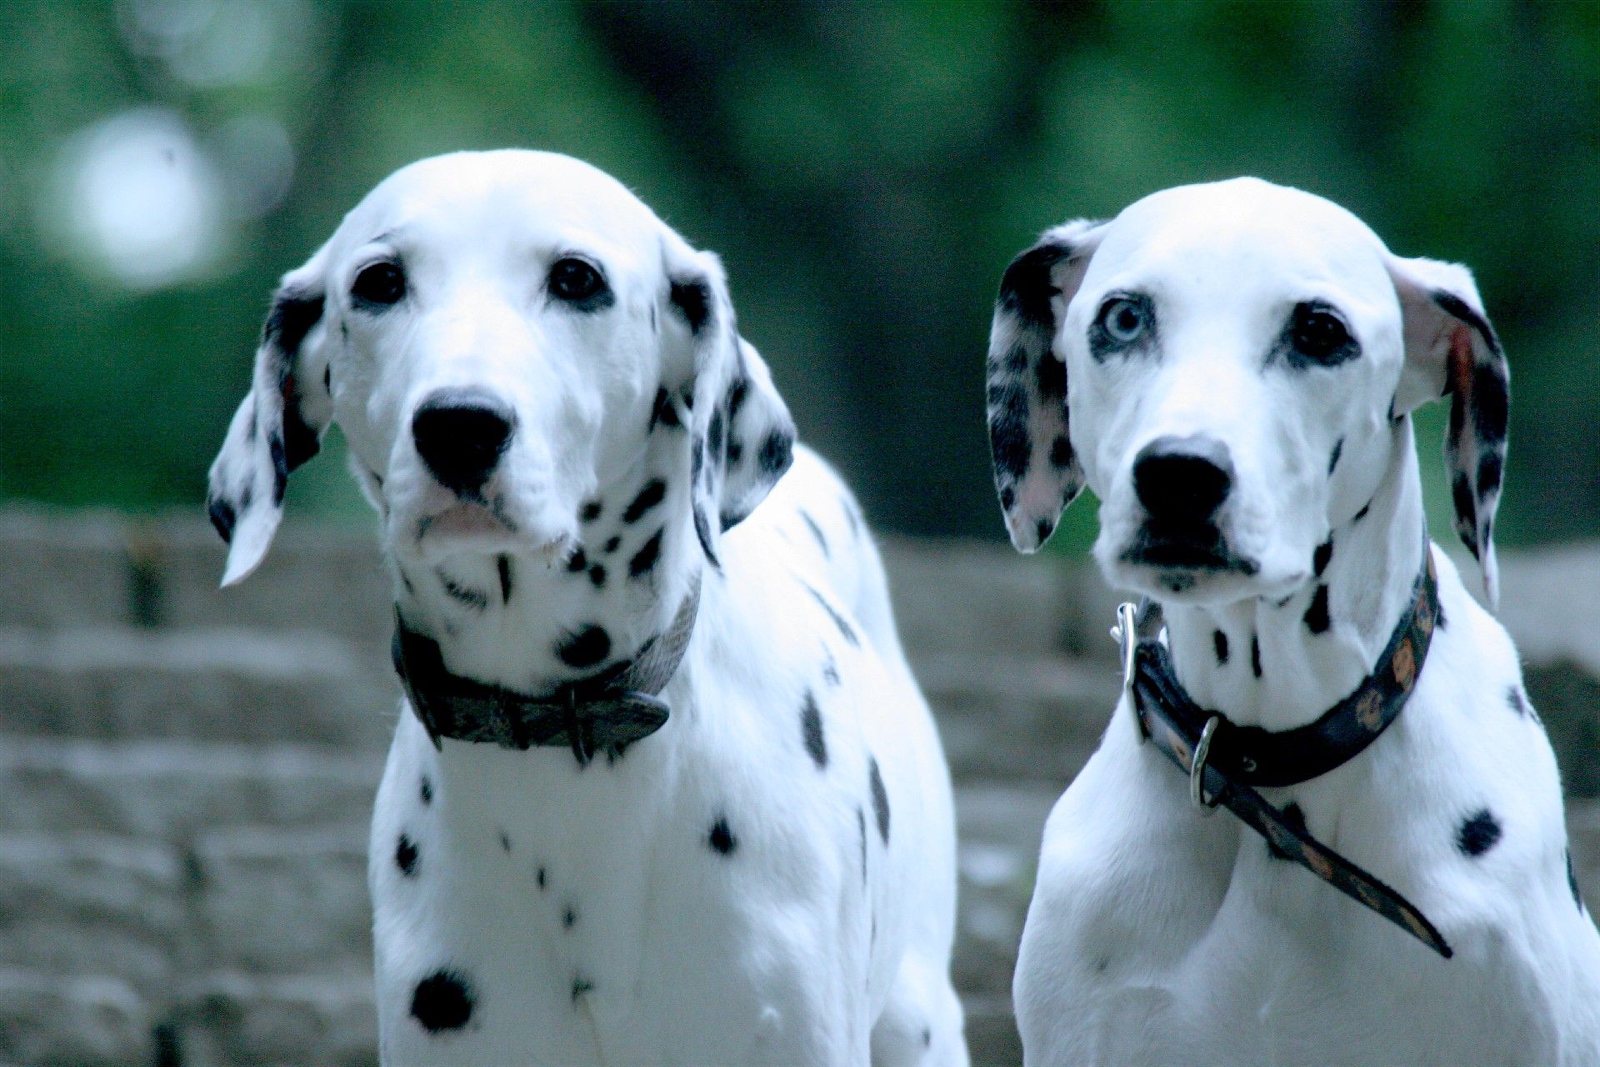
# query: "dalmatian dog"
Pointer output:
{"type": "Point", "coordinates": [547, 401]}
{"type": "Point", "coordinates": [1232, 368]}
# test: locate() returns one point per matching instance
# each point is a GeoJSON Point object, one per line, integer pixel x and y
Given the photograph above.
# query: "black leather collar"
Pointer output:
{"type": "Point", "coordinates": [1226, 762]}
{"type": "Point", "coordinates": [604, 712]}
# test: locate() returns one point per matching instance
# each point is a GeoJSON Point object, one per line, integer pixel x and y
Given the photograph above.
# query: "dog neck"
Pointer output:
{"type": "Point", "coordinates": [529, 623]}
{"type": "Point", "coordinates": [1281, 663]}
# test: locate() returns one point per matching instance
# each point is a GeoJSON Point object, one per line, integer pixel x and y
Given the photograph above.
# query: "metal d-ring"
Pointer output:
{"type": "Point", "coordinates": [1197, 768]}
{"type": "Point", "coordinates": [1127, 639]}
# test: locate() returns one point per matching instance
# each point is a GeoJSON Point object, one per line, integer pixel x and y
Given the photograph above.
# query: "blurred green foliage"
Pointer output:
{"type": "Point", "coordinates": [866, 170]}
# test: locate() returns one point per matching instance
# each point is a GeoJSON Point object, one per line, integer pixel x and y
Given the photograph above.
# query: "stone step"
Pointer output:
{"type": "Point", "coordinates": [89, 1020]}
{"type": "Point", "coordinates": [223, 684]}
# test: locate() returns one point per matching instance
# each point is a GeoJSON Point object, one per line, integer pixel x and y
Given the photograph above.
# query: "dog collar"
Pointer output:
{"type": "Point", "coordinates": [604, 712]}
{"type": "Point", "coordinates": [1226, 762]}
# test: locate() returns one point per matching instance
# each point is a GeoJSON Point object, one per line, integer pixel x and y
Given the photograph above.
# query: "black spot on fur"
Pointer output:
{"type": "Point", "coordinates": [1572, 882]}
{"type": "Point", "coordinates": [702, 530]}
{"type": "Point", "coordinates": [584, 648]}
{"type": "Point", "coordinates": [664, 412]}
{"type": "Point", "coordinates": [580, 986]}
{"type": "Point", "coordinates": [654, 491]}
{"type": "Point", "coordinates": [1255, 655]}
{"type": "Point", "coordinates": [1220, 641]}
{"type": "Point", "coordinates": [442, 1001]}
{"type": "Point", "coordinates": [1478, 834]}
{"type": "Point", "coordinates": [714, 432]}
{"type": "Point", "coordinates": [1043, 529]}
{"type": "Point", "coordinates": [1321, 557]}
{"type": "Point", "coordinates": [426, 790]}
{"type": "Point", "coordinates": [280, 466]}
{"type": "Point", "coordinates": [844, 626]}
{"type": "Point", "coordinates": [1008, 498]}
{"type": "Point", "coordinates": [1363, 512]}
{"type": "Point", "coordinates": [461, 594]}
{"type": "Point", "coordinates": [612, 544]}
{"type": "Point", "coordinates": [405, 856]}
{"type": "Point", "coordinates": [1317, 620]}
{"type": "Point", "coordinates": [569, 918]}
{"type": "Point", "coordinates": [692, 298]}
{"type": "Point", "coordinates": [505, 841]}
{"type": "Point", "coordinates": [1008, 430]}
{"type": "Point", "coordinates": [223, 518]}
{"type": "Point", "coordinates": [1491, 402]}
{"type": "Point", "coordinates": [697, 459]}
{"type": "Point", "coordinates": [816, 531]}
{"type": "Point", "coordinates": [644, 560]}
{"type": "Point", "coordinates": [1514, 698]}
{"type": "Point", "coordinates": [577, 563]}
{"type": "Point", "coordinates": [1333, 460]}
{"type": "Point", "coordinates": [1461, 496]}
{"type": "Point", "coordinates": [502, 565]}
{"type": "Point", "coordinates": [811, 730]}
{"type": "Point", "coordinates": [1052, 377]}
{"type": "Point", "coordinates": [1294, 817]}
{"type": "Point", "coordinates": [777, 452]}
{"type": "Point", "coordinates": [1026, 286]}
{"type": "Point", "coordinates": [861, 825]}
{"type": "Point", "coordinates": [880, 797]}
{"type": "Point", "coordinates": [1490, 468]}
{"type": "Point", "coordinates": [539, 877]}
{"type": "Point", "coordinates": [597, 575]}
{"type": "Point", "coordinates": [722, 839]}
{"type": "Point", "coordinates": [591, 511]}
{"type": "Point", "coordinates": [830, 669]}
{"type": "Point", "coordinates": [1061, 453]}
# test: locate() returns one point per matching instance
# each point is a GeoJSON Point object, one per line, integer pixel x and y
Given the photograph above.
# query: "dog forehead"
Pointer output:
{"type": "Point", "coordinates": [1241, 237]}
{"type": "Point", "coordinates": [525, 198]}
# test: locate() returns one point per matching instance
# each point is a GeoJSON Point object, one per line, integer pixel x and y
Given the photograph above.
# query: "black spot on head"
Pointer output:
{"type": "Point", "coordinates": [811, 730]}
{"type": "Point", "coordinates": [861, 825]}
{"type": "Point", "coordinates": [1294, 817]}
{"type": "Point", "coordinates": [427, 790]}
{"type": "Point", "coordinates": [577, 563]}
{"type": "Point", "coordinates": [654, 491]}
{"type": "Point", "coordinates": [644, 560]}
{"type": "Point", "coordinates": [1255, 655]}
{"type": "Point", "coordinates": [591, 511]}
{"type": "Point", "coordinates": [293, 314]}
{"type": "Point", "coordinates": [1491, 403]}
{"type": "Point", "coordinates": [844, 626]}
{"type": "Point", "coordinates": [692, 298]}
{"type": "Point", "coordinates": [1321, 557]}
{"type": "Point", "coordinates": [580, 986]}
{"type": "Point", "coordinates": [1026, 286]}
{"type": "Point", "coordinates": [280, 466]}
{"type": "Point", "coordinates": [1317, 620]}
{"type": "Point", "coordinates": [1478, 834]}
{"type": "Point", "coordinates": [722, 839]}
{"type": "Point", "coordinates": [1061, 452]}
{"type": "Point", "coordinates": [569, 918]}
{"type": "Point", "coordinates": [539, 877]}
{"type": "Point", "coordinates": [816, 532]}
{"type": "Point", "coordinates": [777, 452]}
{"type": "Point", "coordinates": [505, 841]}
{"type": "Point", "coordinates": [1044, 529]}
{"type": "Point", "coordinates": [927, 1037]}
{"type": "Point", "coordinates": [880, 797]}
{"type": "Point", "coordinates": [585, 648]}
{"type": "Point", "coordinates": [597, 575]}
{"type": "Point", "coordinates": [405, 856]}
{"type": "Point", "coordinates": [502, 566]}
{"type": "Point", "coordinates": [1363, 512]}
{"type": "Point", "coordinates": [1008, 431]}
{"type": "Point", "coordinates": [442, 1001]}
{"type": "Point", "coordinates": [472, 598]}
{"type": "Point", "coordinates": [223, 517]}
{"type": "Point", "coordinates": [1514, 698]}
{"type": "Point", "coordinates": [1052, 377]}
{"type": "Point", "coordinates": [1220, 641]}
{"type": "Point", "coordinates": [1008, 498]}
{"type": "Point", "coordinates": [1572, 882]}
{"type": "Point", "coordinates": [612, 544]}
{"type": "Point", "coordinates": [1333, 460]}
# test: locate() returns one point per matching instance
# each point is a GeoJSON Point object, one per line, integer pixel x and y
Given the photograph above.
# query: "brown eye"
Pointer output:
{"type": "Point", "coordinates": [1319, 335]}
{"type": "Point", "coordinates": [379, 285]}
{"type": "Point", "coordinates": [577, 282]}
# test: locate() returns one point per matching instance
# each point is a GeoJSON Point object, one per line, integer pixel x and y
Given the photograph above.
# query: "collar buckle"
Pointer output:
{"type": "Point", "coordinates": [1197, 768]}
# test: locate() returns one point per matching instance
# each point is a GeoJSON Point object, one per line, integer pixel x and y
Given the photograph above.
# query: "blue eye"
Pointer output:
{"type": "Point", "coordinates": [1124, 319]}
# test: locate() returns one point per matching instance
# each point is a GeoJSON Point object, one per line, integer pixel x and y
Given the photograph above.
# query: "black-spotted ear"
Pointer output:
{"type": "Point", "coordinates": [742, 436]}
{"type": "Point", "coordinates": [1452, 349]}
{"type": "Point", "coordinates": [1036, 471]}
{"type": "Point", "coordinates": [278, 426]}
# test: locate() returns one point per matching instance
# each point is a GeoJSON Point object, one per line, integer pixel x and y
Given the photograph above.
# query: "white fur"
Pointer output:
{"type": "Point", "coordinates": [1159, 936]}
{"type": "Point", "coordinates": [812, 941]}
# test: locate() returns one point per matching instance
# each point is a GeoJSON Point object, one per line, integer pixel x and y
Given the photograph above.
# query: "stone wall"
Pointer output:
{"type": "Point", "coordinates": [188, 774]}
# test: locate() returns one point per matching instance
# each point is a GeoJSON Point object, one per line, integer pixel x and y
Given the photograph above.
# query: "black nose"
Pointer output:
{"type": "Point", "coordinates": [460, 434]}
{"type": "Point", "coordinates": [1182, 481]}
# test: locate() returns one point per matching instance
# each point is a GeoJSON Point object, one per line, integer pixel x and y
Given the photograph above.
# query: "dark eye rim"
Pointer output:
{"type": "Point", "coordinates": [1345, 350]}
{"type": "Point", "coordinates": [595, 298]}
{"type": "Point", "coordinates": [364, 301]}
{"type": "Point", "coordinates": [1102, 341]}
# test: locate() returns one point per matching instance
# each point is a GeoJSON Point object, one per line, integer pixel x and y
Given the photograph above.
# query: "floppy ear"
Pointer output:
{"type": "Point", "coordinates": [742, 434]}
{"type": "Point", "coordinates": [1452, 349]}
{"type": "Point", "coordinates": [1036, 471]}
{"type": "Point", "coordinates": [278, 426]}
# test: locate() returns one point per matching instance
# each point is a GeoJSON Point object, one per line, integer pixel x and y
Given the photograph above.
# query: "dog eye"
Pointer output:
{"type": "Point", "coordinates": [1318, 334]}
{"type": "Point", "coordinates": [380, 284]}
{"type": "Point", "coordinates": [575, 281]}
{"type": "Point", "coordinates": [1124, 319]}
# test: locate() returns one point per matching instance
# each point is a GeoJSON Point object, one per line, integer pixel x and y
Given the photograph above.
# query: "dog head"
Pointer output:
{"type": "Point", "coordinates": [500, 335]}
{"type": "Point", "coordinates": [1229, 367]}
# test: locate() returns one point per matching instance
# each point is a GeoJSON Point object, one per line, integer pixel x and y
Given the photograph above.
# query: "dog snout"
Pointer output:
{"type": "Point", "coordinates": [461, 434]}
{"type": "Point", "coordinates": [1183, 481]}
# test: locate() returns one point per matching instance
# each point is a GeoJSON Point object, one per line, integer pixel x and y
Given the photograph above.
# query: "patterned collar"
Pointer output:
{"type": "Point", "coordinates": [604, 712]}
{"type": "Point", "coordinates": [1226, 763]}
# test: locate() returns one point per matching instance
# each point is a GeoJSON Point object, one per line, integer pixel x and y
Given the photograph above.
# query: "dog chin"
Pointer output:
{"type": "Point", "coordinates": [466, 528]}
{"type": "Point", "coordinates": [1193, 571]}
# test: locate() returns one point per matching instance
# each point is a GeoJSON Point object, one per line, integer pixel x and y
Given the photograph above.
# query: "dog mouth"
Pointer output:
{"type": "Point", "coordinates": [1184, 555]}
{"type": "Point", "coordinates": [481, 525]}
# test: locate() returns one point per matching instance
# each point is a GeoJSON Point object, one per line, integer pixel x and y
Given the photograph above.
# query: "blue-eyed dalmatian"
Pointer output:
{"type": "Point", "coordinates": [741, 853]}
{"type": "Point", "coordinates": [1231, 368]}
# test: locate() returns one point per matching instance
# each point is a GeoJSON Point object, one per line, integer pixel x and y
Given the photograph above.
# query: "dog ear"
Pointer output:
{"type": "Point", "coordinates": [278, 426]}
{"type": "Point", "coordinates": [1036, 471]}
{"type": "Point", "coordinates": [742, 436]}
{"type": "Point", "coordinates": [1452, 349]}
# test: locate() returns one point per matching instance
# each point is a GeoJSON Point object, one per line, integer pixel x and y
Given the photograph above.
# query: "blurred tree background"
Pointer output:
{"type": "Point", "coordinates": [865, 168]}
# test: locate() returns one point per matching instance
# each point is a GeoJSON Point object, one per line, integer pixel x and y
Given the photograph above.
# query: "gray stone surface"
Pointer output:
{"type": "Point", "coordinates": [188, 772]}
